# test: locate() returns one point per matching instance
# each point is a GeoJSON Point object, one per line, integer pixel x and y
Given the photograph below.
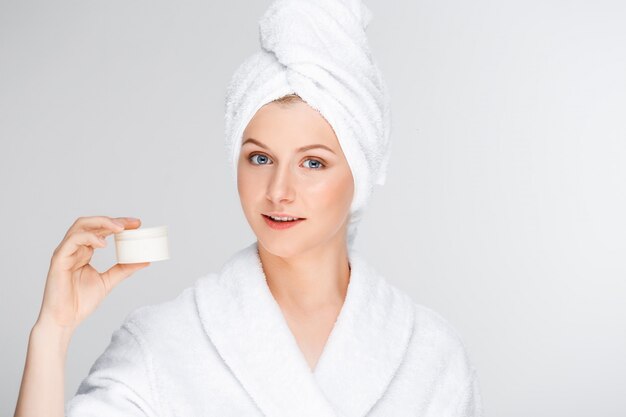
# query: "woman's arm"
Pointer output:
{"type": "Point", "coordinates": [72, 292]}
{"type": "Point", "coordinates": [41, 392]}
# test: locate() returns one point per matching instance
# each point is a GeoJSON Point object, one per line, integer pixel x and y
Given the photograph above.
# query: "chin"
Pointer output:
{"type": "Point", "coordinates": [284, 248]}
{"type": "Point", "coordinates": [288, 246]}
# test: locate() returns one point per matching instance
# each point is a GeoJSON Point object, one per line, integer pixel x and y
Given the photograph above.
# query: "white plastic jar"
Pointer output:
{"type": "Point", "coordinates": [142, 245]}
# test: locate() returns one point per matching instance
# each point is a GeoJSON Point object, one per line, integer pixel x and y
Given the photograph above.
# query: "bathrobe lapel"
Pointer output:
{"type": "Point", "coordinates": [361, 355]}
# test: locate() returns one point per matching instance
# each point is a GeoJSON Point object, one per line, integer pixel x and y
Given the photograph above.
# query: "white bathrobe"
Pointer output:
{"type": "Point", "coordinates": [223, 348]}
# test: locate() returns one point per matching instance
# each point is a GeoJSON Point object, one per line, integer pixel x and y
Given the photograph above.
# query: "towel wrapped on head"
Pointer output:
{"type": "Point", "coordinates": [318, 50]}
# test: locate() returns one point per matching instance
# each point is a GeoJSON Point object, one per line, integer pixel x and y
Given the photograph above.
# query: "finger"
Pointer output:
{"type": "Point", "coordinates": [118, 224]}
{"type": "Point", "coordinates": [91, 223]}
{"type": "Point", "coordinates": [104, 223]}
{"type": "Point", "coordinates": [128, 222]}
{"type": "Point", "coordinates": [78, 239]}
{"type": "Point", "coordinates": [118, 272]}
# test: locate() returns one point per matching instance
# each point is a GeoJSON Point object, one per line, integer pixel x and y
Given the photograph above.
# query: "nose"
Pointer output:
{"type": "Point", "coordinates": [280, 188]}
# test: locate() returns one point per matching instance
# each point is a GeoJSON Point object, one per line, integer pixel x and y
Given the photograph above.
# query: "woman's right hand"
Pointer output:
{"type": "Point", "coordinates": [73, 287]}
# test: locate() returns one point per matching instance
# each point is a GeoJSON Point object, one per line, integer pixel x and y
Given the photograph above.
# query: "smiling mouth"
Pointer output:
{"type": "Point", "coordinates": [283, 221]}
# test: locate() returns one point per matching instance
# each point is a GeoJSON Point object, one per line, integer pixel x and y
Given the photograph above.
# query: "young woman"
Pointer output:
{"type": "Point", "coordinates": [298, 322]}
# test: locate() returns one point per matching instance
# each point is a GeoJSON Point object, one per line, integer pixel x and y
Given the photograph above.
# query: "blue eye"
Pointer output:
{"type": "Point", "coordinates": [258, 154]}
{"type": "Point", "coordinates": [316, 162]}
{"type": "Point", "coordinates": [262, 160]}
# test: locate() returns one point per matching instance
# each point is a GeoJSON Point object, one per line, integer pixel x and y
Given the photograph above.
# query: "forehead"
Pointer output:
{"type": "Point", "coordinates": [294, 124]}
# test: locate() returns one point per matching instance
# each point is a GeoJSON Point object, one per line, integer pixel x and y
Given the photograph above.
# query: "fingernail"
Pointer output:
{"type": "Point", "coordinates": [132, 219]}
{"type": "Point", "coordinates": [119, 223]}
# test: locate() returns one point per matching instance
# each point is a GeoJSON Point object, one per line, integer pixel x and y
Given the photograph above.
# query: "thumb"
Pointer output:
{"type": "Point", "coordinates": [119, 272]}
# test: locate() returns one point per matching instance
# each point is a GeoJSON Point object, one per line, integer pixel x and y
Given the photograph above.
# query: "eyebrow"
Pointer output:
{"type": "Point", "coordinates": [302, 149]}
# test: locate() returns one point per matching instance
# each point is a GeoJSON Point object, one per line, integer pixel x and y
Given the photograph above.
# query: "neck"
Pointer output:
{"type": "Point", "coordinates": [308, 281]}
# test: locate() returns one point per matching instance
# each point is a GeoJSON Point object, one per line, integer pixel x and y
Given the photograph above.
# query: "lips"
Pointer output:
{"type": "Point", "coordinates": [280, 225]}
{"type": "Point", "coordinates": [276, 214]}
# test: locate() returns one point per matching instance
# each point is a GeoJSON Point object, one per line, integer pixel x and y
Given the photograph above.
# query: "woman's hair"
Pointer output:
{"type": "Point", "coordinates": [288, 99]}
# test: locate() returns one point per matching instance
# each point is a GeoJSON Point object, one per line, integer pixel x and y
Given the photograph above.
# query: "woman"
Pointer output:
{"type": "Point", "coordinates": [296, 323]}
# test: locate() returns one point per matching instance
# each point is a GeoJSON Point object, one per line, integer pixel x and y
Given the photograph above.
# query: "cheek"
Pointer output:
{"type": "Point", "coordinates": [332, 194]}
{"type": "Point", "coordinates": [246, 186]}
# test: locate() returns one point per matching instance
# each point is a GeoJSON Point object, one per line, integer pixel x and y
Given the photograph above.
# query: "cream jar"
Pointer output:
{"type": "Point", "coordinates": [142, 245]}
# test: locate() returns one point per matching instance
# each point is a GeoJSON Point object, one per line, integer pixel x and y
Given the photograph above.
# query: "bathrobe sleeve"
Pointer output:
{"type": "Point", "coordinates": [120, 382]}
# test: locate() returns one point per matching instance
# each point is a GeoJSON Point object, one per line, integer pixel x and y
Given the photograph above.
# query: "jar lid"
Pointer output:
{"type": "Point", "coordinates": [149, 232]}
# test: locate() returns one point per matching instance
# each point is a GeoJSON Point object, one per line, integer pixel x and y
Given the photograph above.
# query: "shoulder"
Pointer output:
{"type": "Point", "coordinates": [434, 341]}
{"type": "Point", "coordinates": [435, 337]}
{"type": "Point", "coordinates": [179, 315]}
{"type": "Point", "coordinates": [430, 328]}
{"type": "Point", "coordinates": [427, 322]}
{"type": "Point", "coordinates": [438, 327]}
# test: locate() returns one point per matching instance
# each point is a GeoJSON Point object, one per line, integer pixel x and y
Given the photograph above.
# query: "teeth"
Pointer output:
{"type": "Point", "coordinates": [283, 219]}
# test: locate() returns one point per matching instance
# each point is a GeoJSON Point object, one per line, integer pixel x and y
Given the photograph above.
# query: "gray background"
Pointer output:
{"type": "Point", "coordinates": [504, 204]}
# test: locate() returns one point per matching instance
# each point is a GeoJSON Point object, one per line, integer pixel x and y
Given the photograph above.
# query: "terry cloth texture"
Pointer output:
{"type": "Point", "coordinates": [318, 50]}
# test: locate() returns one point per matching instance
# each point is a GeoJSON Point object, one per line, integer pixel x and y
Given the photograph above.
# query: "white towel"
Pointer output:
{"type": "Point", "coordinates": [318, 49]}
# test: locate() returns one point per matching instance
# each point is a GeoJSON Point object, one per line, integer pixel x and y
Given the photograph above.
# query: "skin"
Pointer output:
{"type": "Point", "coordinates": [306, 266]}
{"type": "Point", "coordinates": [73, 290]}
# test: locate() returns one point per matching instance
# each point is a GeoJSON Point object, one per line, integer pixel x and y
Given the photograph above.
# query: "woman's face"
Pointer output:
{"type": "Point", "coordinates": [275, 176]}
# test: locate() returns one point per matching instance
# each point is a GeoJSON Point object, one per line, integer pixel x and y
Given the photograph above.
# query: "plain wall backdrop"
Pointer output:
{"type": "Point", "coordinates": [505, 198]}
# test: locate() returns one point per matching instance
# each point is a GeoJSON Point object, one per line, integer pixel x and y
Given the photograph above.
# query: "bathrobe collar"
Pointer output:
{"type": "Point", "coordinates": [364, 350]}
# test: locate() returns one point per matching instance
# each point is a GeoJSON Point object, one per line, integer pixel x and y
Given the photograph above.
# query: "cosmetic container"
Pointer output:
{"type": "Point", "coordinates": [142, 245]}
